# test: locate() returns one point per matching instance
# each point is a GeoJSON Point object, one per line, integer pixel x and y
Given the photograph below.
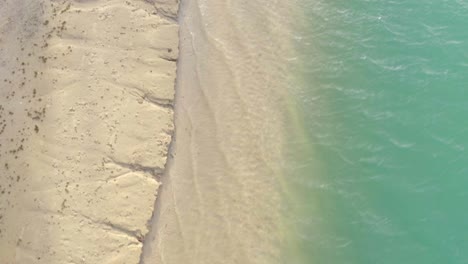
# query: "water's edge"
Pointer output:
{"type": "Point", "coordinates": [153, 221]}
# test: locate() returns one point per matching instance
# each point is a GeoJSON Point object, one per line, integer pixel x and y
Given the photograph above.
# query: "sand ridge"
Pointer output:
{"type": "Point", "coordinates": [86, 121]}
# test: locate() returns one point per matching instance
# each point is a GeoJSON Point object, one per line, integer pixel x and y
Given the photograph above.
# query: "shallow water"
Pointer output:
{"type": "Point", "coordinates": [220, 200]}
{"type": "Point", "coordinates": [379, 172]}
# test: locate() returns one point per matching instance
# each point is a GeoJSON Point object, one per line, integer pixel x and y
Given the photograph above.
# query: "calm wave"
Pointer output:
{"type": "Point", "coordinates": [382, 171]}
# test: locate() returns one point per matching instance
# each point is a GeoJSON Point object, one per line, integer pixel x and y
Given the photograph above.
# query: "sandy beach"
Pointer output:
{"type": "Point", "coordinates": [96, 169]}
{"type": "Point", "coordinates": [86, 121]}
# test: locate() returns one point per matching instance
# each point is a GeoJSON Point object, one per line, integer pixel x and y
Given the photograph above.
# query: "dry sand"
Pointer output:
{"type": "Point", "coordinates": [86, 118]}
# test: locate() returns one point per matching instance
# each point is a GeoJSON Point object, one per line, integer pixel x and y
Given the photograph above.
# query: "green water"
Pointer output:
{"type": "Point", "coordinates": [382, 172]}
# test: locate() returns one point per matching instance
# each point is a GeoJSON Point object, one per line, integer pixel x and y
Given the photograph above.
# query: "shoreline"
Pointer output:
{"type": "Point", "coordinates": [106, 174]}
{"type": "Point", "coordinates": [221, 199]}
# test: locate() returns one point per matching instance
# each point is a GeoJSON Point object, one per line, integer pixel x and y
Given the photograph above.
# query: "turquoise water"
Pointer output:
{"type": "Point", "coordinates": [382, 175]}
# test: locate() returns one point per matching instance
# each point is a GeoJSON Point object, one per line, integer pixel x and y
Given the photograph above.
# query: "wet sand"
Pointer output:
{"type": "Point", "coordinates": [221, 197]}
